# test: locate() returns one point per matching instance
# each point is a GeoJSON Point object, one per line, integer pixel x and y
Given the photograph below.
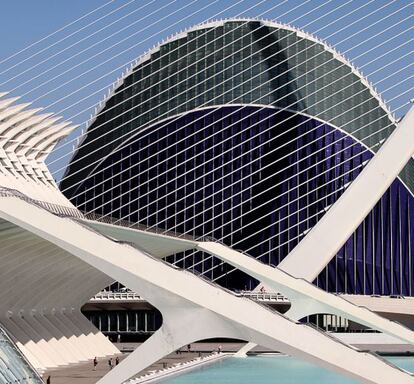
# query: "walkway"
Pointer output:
{"type": "Point", "coordinates": [84, 374]}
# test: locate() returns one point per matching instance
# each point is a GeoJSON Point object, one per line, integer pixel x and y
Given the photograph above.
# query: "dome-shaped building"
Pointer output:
{"type": "Point", "coordinates": [247, 131]}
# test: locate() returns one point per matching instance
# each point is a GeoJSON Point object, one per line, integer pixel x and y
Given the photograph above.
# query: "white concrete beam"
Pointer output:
{"type": "Point", "coordinates": [322, 243]}
{"type": "Point", "coordinates": [305, 297]}
{"type": "Point", "coordinates": [181, 297]}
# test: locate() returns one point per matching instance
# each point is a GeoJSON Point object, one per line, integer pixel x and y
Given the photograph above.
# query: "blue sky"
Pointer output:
{"type": "Point", "coordinates": [23, 22]}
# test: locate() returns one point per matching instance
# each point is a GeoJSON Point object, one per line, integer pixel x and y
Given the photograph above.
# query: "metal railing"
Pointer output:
{"type": "Point", "coordinates": [56, 209]}
{"type": "Point", "coordinates": [306, 282]}
{"type": "Point", "coordinates": [264, 296]}
{"type": "Point", "coordinates": [118, 296]}
{"type": "Point", "coordinates": [257, 298]}
{"type": "Point", "coordinates": [127, 224]}
{"type": "Point", "coordinates": [375, 296]}
{"type": "Point", "coordinates": [362, 351]}
{"type": "Point", "coordinates": [130, 295]}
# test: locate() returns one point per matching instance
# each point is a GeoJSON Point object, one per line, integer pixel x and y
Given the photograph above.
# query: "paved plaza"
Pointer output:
{"type": "Point", "coordinates": [84, 373]}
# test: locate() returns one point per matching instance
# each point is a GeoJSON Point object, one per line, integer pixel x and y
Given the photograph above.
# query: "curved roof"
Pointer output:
{"type": "Point", "coordinates": [319, 81]}
{"type": "Point", "coordinates": [216, 23]}
{"type": "Point", "coordinates": [26, 139]}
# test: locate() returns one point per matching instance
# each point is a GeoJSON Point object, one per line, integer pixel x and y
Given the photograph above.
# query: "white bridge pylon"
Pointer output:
{"type": "Point", "coordinates": [323, 241]}
{"type": "Point", "coordinates": [321, 244]}
{"type": "Point", "coordinates": [306, 298]}
{"type": "Point", "coordinates": [192, 308]}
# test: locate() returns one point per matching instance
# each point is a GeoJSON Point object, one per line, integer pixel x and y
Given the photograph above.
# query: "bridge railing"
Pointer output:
{"type": "Point", "coordinates": [127, 224]}
{"type": "Point", "coordinates": [116, 296]}
{"type": "Point", "coordinates": [56, 209]}
{"type": "Point", "coordinates": [256, 296]}
{"type": "Point", "coordinates": [264, 296]}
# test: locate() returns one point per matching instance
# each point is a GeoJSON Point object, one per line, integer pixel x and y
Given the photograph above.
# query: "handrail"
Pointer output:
{"type": "Point", "coordinates": [314, 286]}
{"type": "Point", "coordinates": [116, 296]}
{"type": "Point", "coordinates": [207, 280]}
{"type": "Point", "coordinates": [255, 296]}
{"type": "Point", "coordinates": [264, 296]}
{"type": "Point", "coordinates": [367, 352]}
{"type": "Point", "coordinates": [73, 213]}
{"type": "Point", "coordinates": [64, 211]}
{"type": "Point", "coordinates": [374, 296]}
{"type": "Point", "coordinates": [56, 209]}
{"type": "Point", "coordinates": [127, 224]}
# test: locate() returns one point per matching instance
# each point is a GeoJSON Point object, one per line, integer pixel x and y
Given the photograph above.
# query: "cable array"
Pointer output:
{"type": "Point", "coordinates": [129, 98]}
{"type": "Point", "coordinates": [362, 136]}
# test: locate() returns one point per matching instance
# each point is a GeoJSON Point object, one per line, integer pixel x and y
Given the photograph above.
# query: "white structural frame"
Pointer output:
{"type": "Point", "coordinates": [68, 256]}
{"type": "Point", "coordinates": [310, 256]}
{"type": "Point", "coordinates": [53, 260]}
{"type": "Point", "coordinates": [300, 33]}
{"type": "Point", "coordinates": [204, 311]}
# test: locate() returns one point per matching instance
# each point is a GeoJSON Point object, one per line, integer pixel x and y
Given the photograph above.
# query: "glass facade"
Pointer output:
{"type": "Point", "coordinates": [14, 368]}
{"type": "Point", "coordinates": [125, 321]}
{"type": "Point", "coordinates": [231, 132]}
{"type": "Point", "coordinates": [236, 62]}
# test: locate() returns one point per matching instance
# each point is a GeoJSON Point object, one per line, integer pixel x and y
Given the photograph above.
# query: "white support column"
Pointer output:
{"type": "Point", "coordinates": [189, 303]}
{"type": "Point", "coordinates": [306, 298]}
{"type": "Point", "coordinates": [178, 330]}
{"type": "Point", "coordinates": [242, 352]}
{"type": "Point", "coordinates": [152, 350]}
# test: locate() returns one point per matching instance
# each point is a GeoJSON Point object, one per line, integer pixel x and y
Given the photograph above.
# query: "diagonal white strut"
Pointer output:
{"type": "Point", "coordinates": [305, 297]}
{"type": "Point", "coordinates": [157, 281]}
{"type": "Point", "coordinates": [191, 307]}
{"type": "Point", "coordinates": [322, 243]}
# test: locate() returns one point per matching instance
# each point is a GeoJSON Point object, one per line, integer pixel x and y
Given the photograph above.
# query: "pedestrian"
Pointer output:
{"type": "Point", "coordinates": [189, 348]}
{"type": "Point", "coordinates": [95, 363]}
{"type": "Point", "coordinates": [48, 380]}
{"type": "Point", "coordinates": [219, 348]}
{"type": "Point", "coordinates": [117, 360]}
{"type": "Point", "coordinates": [110, 363]}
